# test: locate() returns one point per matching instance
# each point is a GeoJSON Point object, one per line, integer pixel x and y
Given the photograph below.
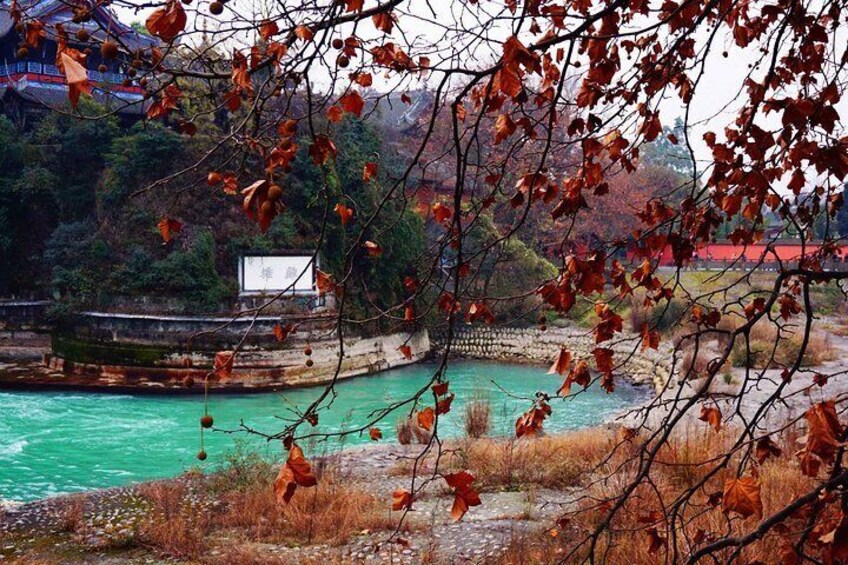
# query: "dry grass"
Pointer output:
{"type": "Point", "coordinates": [552, 462]}
{"type": "Point", "coordinates": [764, 354]}
{"type": "Point", "coordinates": [477, 418]}
{"type": "Point", "coordinates": [678, 467]}
{"type": "Point", "coordinates": [181, 523]}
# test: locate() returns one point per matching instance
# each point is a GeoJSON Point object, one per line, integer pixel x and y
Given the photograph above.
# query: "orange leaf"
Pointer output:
{"type": "Point", "coordinates": [324, 282]}
{"type": "Point", "coordinates": [375, 434]}
{"type": "Point", "coordinates": [166, 23]}
{"type": "Point", "coordinates": [426, 418]}
{"type": "Point", "coordinates": [401, 499]}
{"type": "Point", "coordinates": [295, 473]}
{"type": "Point", "coordinates": [345, 213]}
{"type": "Point", "coordinates": [407, 352]}
{"type": "Point", "coordinates": [408, 314]}
{"type": "Point", "coordinates": [280, 332]}
{"type": "Point", "coordinates": [743, 497]}
{"type": "Point", "coordinates": [464, 495]}
{"type": "Point", "coordinates": [561, 363]}
{"type": "Point", "coordinates": [767, 448]}
{"type": "Point", "coordinates": [304, 32]}
{"type": "Point", "coordinates": [168, 227]}
{"type": "Point", "coordinates": [369, 171]}
{"type": "Point", "coordinates": [712, 416]}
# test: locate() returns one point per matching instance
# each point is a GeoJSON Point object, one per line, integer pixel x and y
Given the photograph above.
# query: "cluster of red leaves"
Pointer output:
{"type": "Point", "coordinates": [530, 423]}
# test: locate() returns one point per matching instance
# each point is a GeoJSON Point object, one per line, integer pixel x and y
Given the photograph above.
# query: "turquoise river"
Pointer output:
{"type": "Point", "coordinates": [60, 442]}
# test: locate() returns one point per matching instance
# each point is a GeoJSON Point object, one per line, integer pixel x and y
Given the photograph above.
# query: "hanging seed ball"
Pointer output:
{"type": "Point", "coordinates": [214, 178]}
{"type": "Point", "coordinates": [201, 455]}
{"type": "Point", "coordinates": [309, 362]}
{"type": "Point", "coordinates": [216, 8]}
{"type": "Point", "coordinates": [267, 208]}
{"type": "Point", "coordinates": [137, 63]}
{"type": "Point", "coordinates": [343, 61]}
{"type": "Point", "coordinates": [109, 49]}
{"type": "Point", "coordinates": [275, 192]}
{"type": "Point", "coordinates": [206, 421]}
{"type": "Point", "coordinates": [23, 52]}
{"type": "Point", "coordinates": [278, 91]}
{"type": "Point", "coordinates": [20, 27]}
{"type": "Point", "coordinates": [87, 51]}
{"type": "Point", "coordinates": [188, 382]}
{"type": "Point", "coordinates": [143, 83]}
{"type": "Point", "coordinates": [102, 68]}
{"type": "Point", "coordinates": [131, 72]}
{"type": "Point", "coordinates": [82, 34]}
{"type": "Point", "coordinates": [338, 43]}
{"type": "Point", "coordinates": [307, 351]}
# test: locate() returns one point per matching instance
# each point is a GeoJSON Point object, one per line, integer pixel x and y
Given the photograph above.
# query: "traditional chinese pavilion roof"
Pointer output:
{"type": "Point", "coordinates": [51, 12]}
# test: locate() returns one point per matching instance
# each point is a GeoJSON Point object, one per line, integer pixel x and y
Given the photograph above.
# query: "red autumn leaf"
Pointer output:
{"type": "Point", "coordinates": [324, 282]}
{"type": "Point", "coordinates": [322, 149]}
{"type": "Point", "coordinates": [268, 29]}
{"type": "Point", "coordinates": [167, 22]}
{"type": "Point", "coordinates": [561, 363]}
{"type": "Point", "coordinates": [443, 406]}
{"type": "Point", "coordinates": [369, 171]}
{"type": "Point", "coordinates": [823, 430]}
{"type": "Point", "coordinates": [742, 496]}
{"type": "Point", "coordinates": [426, 418]}
{"type": "Point", "coordinates": [168, 227]}
{"type": "Point", "coordinates": [345, 213]}
{"type": "Point", "coordinates": [312, 419]}
{"type": "Point", "coordinates": [401, 500]}
{"type": "Point", "coordinates": [712, 416]}
{"type": "Point", "coordinates": [464, 495]}
{"type": "Point", "coordinates": [295, 473]}
{"type": "Point", "coordinates": [373, 249]}
{"type": "Point", "coordinates": [406, 350]}
{"type": "Point", "coordinates": [362, 79]}
{"type": "Point", "coordinates": [258, 206]}
{"type": "Point", "coordinates": [603, 359]}
{"type": "Point", "coordinates": [223, 363]}
{"type": "Point", "coordinates": [440, 389]}
{"type": "Point", "coordinates": [408, 314]}
{"type": "Point", "coordinates": [766, 448]}
{"type": "Point", "coordinates": [504, 127]}
{"type": "Point", "coordinates": [375, 434]}
{"type": "Point", "coordinates": [479, 311]}
{"type": "Point", "coordinates": [281, 332]}
{"type": "Point", "coordinates": [441, 212]}
{"type": "Point", "coordinates": [352, 102]}
{"type": "Point", "coordinates": [335, 113]}
{"type": "Point", "coordinates": [580, 375]}
{"type": "Point", "coordinates": [35, 34]}
{"type": "Point", "coordinates": [383, 21]}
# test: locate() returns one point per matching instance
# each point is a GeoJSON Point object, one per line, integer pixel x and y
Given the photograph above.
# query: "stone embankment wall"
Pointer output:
{"type": "Point", "coordinates": [532, 344]}
{"type": "Point", "coordinates": [253, 369]}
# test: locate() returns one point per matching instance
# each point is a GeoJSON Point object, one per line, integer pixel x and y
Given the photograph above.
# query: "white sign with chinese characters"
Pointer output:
{"type": "Point", "coordinates": [273, 273]}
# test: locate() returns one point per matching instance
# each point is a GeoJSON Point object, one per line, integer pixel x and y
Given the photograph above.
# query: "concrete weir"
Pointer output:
{"type": "Point", "coordinates": [175, 354]}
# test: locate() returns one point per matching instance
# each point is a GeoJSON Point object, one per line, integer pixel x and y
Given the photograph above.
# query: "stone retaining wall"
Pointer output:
{"type": "Point", "coordinates": [532, 344]}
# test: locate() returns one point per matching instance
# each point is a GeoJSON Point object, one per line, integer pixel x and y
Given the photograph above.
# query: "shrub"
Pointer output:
{"type": "Point", "coordinates": [478, 416]}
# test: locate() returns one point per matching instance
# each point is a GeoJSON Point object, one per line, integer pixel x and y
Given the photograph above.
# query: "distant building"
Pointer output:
{"type": "Point", "coordinates": [31, 85]}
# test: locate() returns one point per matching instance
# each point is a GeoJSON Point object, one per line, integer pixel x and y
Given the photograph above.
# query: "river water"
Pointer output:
{"type": "Point", "coordinates": [60, 442]}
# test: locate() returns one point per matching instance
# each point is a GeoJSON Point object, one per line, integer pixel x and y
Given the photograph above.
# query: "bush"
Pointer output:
{"type": "Point", "coordinates": [478, 416]}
